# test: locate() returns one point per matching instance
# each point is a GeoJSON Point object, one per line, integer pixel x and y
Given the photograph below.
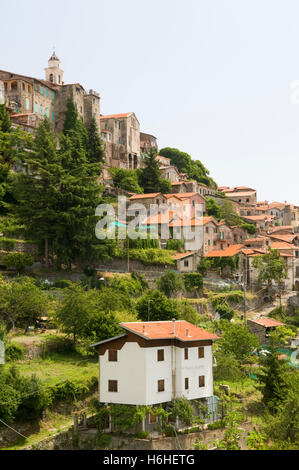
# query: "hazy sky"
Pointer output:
{"type": "Point", "coordinates": [210, 77]}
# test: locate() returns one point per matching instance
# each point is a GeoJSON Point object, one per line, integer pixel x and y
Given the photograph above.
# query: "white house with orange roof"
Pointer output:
{"type": "Point", "coordinates": [156, 362]}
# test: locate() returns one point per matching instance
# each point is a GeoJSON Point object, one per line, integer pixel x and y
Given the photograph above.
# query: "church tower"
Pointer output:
{"type": "Point", "coordinates": [54, 74]}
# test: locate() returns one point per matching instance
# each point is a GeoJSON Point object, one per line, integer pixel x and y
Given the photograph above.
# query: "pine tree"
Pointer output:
{"type": "Point", "coordinates": [150, 176]}
{"type": "Point", "coordinates": [71, 117]}
{"type": "Point", "coordinates": [95, 149]}
{"type": "Point", "coordinates": [37, 192]}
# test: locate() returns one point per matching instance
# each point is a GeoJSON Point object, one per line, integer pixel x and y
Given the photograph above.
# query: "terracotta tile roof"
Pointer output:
{"type": "Point", "coordinates": [282, 246]}
{"type": "Point", "coordinates": [144, 196]}
{"type": "Point", "coordinates": [177, 183]}
{"type": "Point", "coordinates": [282, 228]}
{"type": "Point", "coordinates": [184, 331]}
{"type": "Point", "coordinates": [240, 193]}
{"type": "Point", "coordinates": [183, 255]}
{"type": "Point", "coordinates": [160, 218]}
{"type": "Point", "coordinates": [168, 196]}
{"type": "Point", "coordinates": [258, 217]}
{"type": "Point", "coordinates": [192, 222]}
{"type": "Point", "coordinates": [187, 195]}
{"type": "Point", "coordinates": [115, 116]}
{"type": "Point", "coordinates": [266, 322]}
{"type": "Point", "coordinates": [286, 237]}
{"type": "Point", "coordinates": [230, 251]}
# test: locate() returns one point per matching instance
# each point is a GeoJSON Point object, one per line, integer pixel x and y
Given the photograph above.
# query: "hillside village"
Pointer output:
{"type": "Point", "coordinates": [166, 344]}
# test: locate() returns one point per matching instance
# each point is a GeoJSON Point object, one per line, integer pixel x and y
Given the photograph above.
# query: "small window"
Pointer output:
{"type": "Point", "coordinates": [53, 116]}
{"type": "Point", "coordinates": [112, 386]}
{"type": "Point", "coordinates": [160, 355]}
{"type": "Point", "coordinates": [36, 107]}
{"type": "Point", "coordinates": [201, 352]}
{"type": "Point", "coordinates": [186, 263]}
{"type": "Point", "coordinates": [47, 92]}
{"type": "Point", "coordinates": [112, 355]}
{"type": "Point", "coordinates": [186, 353]}
{"type": "Point", "coordinates": [186, 383]}
{"type": "Point", "coordinates": [41, 90]}
{"type": "Point", "coordinates": [207, 229]}
{"type": "Point", "coordinates": [152, 419]}
{"type": "Point", "coordinates": [27, 104]}
{"type": "Point", "coordinates": [209, 242]}
{"type": "Point", "coordinates": [161, 386]}
{"type": "Point", "coordinates": [115, 124]}
{"type": "Point", "coordinates": [201, 381]}
{"type": "Point", "coordinates": [53, 95]}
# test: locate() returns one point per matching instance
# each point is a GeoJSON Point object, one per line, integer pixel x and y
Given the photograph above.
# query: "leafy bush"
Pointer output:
{"type": "Point", "coordinates": [17, 260]}
{"type": "Point", "coordinates": [216, 425]}
{"type": "Point", "coordinates": [62, 283]}
{"type": "Point", "coordinates": [142, 435]}
{"type": "Point", "coordinates": [14, 352]}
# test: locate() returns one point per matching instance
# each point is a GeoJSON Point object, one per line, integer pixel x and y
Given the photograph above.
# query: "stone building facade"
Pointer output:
{"type": "Point", "coordinates": [121, 136]}
{"type": "Point", "coordinates": [35, 99]}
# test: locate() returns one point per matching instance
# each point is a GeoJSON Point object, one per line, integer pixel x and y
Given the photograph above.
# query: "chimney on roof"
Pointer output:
{"type": "Point", "coordinates": [143, 329]}
{"type": "Point", "coordinates": [173, 326]}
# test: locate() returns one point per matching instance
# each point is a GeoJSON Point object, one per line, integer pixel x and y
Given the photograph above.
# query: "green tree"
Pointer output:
{"type": "Point", "coordinates": [150, 178]}
{"type": "Point", "coordinates": [37, 191]}
{"type": "Point", "coordinates": [237, 340]}
{"type": "Point", "coordinates": [284, 425]}
{"type": "Point", "coordinates": [193, 282]}
{"type": "Point", "coordinates": [155, 306]}
{"type": "Point", "coordinates": [75, 311]}
{"type": "Point", "coordinates": [187, 312]}
{"type": "Point", "coordinates": [212, 208]}
{"type": "Point", "coordinates": [272, 380]}
{"type": "Point", "coordinates": [22, 302]}
{"type": "Point", "coordinates": [71, 117]}
{"type": "Point", "coordinates": [232, 433]}
{"type": "Point", "coordinates": [95, 148]}
{"type": "Point", "coordinates": [271, 267]}
{"type": "Point", "coordinates": [126, 179]}
{"type": "Point", "coordinates": [170, 283]}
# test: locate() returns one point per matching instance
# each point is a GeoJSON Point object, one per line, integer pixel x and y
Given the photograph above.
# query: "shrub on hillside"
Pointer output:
{"type": "Point", "coordinates": [17, 260]}
{"type": "Point", "coordinates": [14, 352]}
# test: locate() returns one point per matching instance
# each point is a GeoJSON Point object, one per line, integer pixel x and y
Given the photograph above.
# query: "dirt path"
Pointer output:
{"type": "Point", "coordinates": [264, 312]}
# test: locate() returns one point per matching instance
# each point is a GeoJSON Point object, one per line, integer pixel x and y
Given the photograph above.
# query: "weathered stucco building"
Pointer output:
{"type": "Point", "coordinates": [121, 136]}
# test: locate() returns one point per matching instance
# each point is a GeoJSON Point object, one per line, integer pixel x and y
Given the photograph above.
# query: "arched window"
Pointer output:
{"type": "Point", "coordinates": [51, 77]}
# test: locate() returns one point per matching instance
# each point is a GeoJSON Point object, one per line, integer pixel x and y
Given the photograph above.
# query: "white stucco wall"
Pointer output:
{"type": "Point", "coordinates": [138, 371]}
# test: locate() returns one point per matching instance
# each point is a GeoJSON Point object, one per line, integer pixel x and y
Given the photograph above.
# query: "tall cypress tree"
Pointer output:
{"type": "Point", "coordinates": [95, 149]}
{"type": "Point", "coordinates": [37, 192]}
{"type": "Point", "coordinates": [71, 117]}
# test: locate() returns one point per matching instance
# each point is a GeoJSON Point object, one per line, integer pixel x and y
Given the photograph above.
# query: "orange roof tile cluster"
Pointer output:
{"type": "Point", "coordinates": [285, 237]}
{"type": "Point", "coordinates": [183, 330]}
{"type": "Point", "coordinates": [282, 228]}
{"type": "Point", "coordinates": [266, 322]}
{"type": "Point", "coordinates": [230, 251]}
{"type": "Point", "coordinates": [282, 246]}
{"type": "Point", "coordinates": [144, 196]}
{"type": "Point", "coordinates": [115, 116]}
{"type": "Point", "coordinates": [194, 222]}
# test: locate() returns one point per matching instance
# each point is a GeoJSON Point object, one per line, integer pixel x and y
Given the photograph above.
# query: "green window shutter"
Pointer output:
{"type": "Point", "coordinates": [27, 103]}
{"type": "Point", "coordinates": [41, 109]}
{"type": "Point", "coordinates": [47, 92]}
{"type": "Point", "coordinates": [41, 90]}
{"type": "Point", "coordinates": [53, 116]}
{"type": "Point", "coordinates": [53, 95]}
{"type": "Point", "coordinates": [47, 112]}
{"type": "Point", "coordinates": [36, 108]}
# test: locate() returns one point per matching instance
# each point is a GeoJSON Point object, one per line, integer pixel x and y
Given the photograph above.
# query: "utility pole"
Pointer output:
{"type": "Point", "coordinates": [244, 289]}
{"type": "Point", "coordinates": [128, 254]}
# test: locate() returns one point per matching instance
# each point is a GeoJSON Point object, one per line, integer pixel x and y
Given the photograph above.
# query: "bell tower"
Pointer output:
{"type": "Point", "coordinates": [54, 74]}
